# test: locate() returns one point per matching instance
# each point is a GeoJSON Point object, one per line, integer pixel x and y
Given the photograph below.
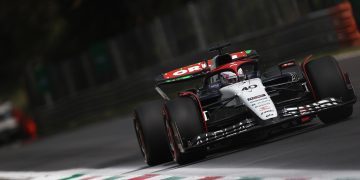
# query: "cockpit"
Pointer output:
{"type": "Point", "coordinates": [227, 77]}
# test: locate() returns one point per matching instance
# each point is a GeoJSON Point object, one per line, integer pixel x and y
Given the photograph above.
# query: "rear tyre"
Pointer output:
{"type": "Point", "coordinates": [327, 81]}
{"type": "Point", "coordinates": [150, 131]}
{"type": "Point", "coordinates": [183, 122]}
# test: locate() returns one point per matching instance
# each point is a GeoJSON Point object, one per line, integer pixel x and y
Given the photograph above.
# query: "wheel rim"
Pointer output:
{"type": "Point", "coordinates": [141, 141]}
{"type": "Point", "coordinates": [170, 135]}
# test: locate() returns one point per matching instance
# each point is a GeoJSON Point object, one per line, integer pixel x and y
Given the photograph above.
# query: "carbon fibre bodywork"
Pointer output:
{"type": "Point", "coordinates": [279, 96]}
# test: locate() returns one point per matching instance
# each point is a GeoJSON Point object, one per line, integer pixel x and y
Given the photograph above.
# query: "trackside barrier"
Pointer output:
{"type": "Point", "coordinates": [345, 24]}
{"type": "Point", "coordinates": [94, 103]}
{"type": "Point", "coordinates": [326, 29]}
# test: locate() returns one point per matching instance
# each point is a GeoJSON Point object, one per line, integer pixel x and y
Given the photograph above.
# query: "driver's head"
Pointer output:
{"type": "Point", "coordinates": [228, 77]}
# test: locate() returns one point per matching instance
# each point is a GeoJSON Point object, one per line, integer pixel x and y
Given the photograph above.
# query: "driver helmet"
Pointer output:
{"type": "Point", "coordinates": [228, 77]}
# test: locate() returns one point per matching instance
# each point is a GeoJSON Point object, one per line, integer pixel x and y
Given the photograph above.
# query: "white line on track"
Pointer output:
{"type": "Point", "coordinates": [184, 173]}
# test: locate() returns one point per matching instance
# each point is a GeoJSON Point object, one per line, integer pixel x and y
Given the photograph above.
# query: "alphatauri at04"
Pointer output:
{"type": "Point", "coordinates": [235, 99]}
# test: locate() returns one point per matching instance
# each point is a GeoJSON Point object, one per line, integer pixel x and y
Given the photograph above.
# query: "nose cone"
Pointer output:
{"type": "Point", "coordinates": [252, 93]}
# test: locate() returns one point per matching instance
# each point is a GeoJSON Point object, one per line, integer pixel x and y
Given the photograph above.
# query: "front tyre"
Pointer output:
{"type": "Point", "coordinates": [151, 134]}
{"type": "Point", "coordinates": [327, 81]}
{"type": "Point", "coordinates": [183, 122]}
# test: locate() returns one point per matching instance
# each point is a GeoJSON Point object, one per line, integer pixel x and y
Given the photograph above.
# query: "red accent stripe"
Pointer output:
{"type": "Point", "coordinates": [347, 78]}
{"type": "Point", "coordinates": [305, 119]}
{"type": "Point", "coordinates": [306, 60]}
{"type": "Point", "coordinates": [343, 75]}
{"type": "Point", "coordinates": [146, 176]}
{"type": "Point", "coordinates": [89, 178]}
{"type": "Point", "coordinates": [198, 101]}
{"type": "Point", "coordinates": [211, 178]}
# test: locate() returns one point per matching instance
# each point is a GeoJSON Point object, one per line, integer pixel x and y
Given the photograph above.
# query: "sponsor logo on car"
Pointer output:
{"type": "Point", "coordinates": [256, 97]}
{"type": "Point", "coordinates": [187, 70]}
{"type": "Point", "coordinates": [267, 111]}
{"type": "Point", "coordinates": [268, 115]}
{"type": "Point", "coordinates": [253, 86]}
{"type": "Point", "coordinates": [264, 108]}
{"type": "Point", "coordinates": [310, 108]}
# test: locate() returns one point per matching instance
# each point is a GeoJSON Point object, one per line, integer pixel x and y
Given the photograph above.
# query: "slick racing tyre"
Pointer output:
{"type": "Point", "coordinates": [183, 122]}
{"type": "Point", "coordinates": [151, 134]}
{"type": "Point", "coordinates": [327, 81]}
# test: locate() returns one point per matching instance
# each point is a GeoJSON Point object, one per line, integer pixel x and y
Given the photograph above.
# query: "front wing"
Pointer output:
{"type": "Point", "coordinates": [285, 115]}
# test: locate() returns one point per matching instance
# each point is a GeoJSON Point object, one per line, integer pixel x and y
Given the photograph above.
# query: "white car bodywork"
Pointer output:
{"type": "Point", "coordinates": [252, 94]}
{"type": "Point", "coordinates": [7, 121]}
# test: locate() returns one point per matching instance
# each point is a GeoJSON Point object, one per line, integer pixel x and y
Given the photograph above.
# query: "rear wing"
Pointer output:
{"type": "Point", "coordinates": [196, 70]}
{"type": "Point", "coordinates": [185, 73]}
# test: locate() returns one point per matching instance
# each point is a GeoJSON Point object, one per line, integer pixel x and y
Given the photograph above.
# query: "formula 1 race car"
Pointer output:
{"type": "Point", "coordinates": [15, 124]}
{"type": "Point", "coordinates": [236, 99]}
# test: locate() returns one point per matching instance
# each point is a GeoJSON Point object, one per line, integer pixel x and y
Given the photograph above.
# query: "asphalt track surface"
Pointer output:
{"type": "Point", "coordinates": [314, 148]}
